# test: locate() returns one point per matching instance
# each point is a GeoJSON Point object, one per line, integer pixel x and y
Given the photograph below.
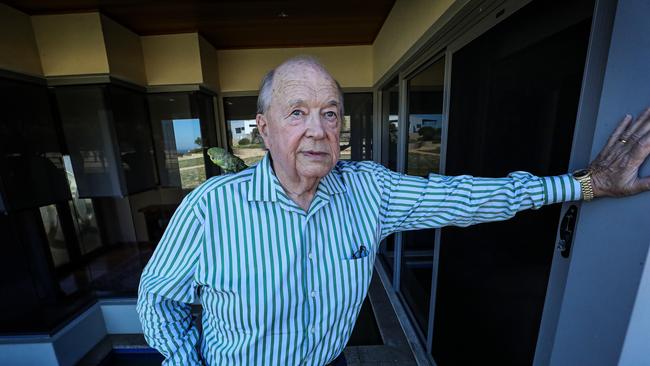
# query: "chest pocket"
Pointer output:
{"type": "Point", "coordinates": [358, 273]}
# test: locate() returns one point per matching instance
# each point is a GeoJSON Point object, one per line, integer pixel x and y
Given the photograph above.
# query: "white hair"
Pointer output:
{"type": "Point", "coordinates": [266, 87]}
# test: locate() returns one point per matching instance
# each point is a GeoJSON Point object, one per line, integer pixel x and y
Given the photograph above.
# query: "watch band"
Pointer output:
{"type": "Point", "coordinates": [584, 178]}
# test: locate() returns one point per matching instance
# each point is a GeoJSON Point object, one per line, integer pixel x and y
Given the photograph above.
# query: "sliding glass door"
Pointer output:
{"type": "Point", "coordinates": [424, 133]}
{"type": "Point", "coordinates": [513, 103]}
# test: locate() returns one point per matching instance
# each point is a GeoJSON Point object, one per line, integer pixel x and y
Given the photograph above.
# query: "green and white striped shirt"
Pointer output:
{"type": "Point", "coordinates": [280, 286]}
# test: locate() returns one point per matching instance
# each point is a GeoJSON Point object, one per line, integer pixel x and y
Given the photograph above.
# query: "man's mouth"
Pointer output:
{"type": "Point", "coordinates": [315, 154]}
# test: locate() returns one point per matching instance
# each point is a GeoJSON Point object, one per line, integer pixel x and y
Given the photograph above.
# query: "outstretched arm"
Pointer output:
{"type": "Point", "coordinates": [410, 203]}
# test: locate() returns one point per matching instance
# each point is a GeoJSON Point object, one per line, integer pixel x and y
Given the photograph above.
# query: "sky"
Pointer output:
{"type": "Point", "coordinates": [186, 131]}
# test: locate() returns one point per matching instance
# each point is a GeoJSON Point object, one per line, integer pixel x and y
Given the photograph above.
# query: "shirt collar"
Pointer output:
{"type": "Point", "coordinates": [264, 184]}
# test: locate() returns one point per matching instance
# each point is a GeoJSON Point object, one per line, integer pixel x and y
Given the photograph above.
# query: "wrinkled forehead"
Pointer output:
{"type": "Point", "coordinates": [308, 84]}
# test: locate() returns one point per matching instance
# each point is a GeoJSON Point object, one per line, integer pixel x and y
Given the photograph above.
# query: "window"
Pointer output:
{"type": "Point", "coordinates": [181, 135]}
{"type": "Point", "coordinates": [243, 137]}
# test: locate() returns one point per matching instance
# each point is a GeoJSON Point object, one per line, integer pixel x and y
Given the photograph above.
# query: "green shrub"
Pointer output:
{"type": "Point", "coordinates": [244, 141]}
{"type": "Point", "coordinates": [429, 133]}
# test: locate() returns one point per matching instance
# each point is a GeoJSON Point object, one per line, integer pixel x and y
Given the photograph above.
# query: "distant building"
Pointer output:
{"type": "Point", "coordinates": [242, 129]}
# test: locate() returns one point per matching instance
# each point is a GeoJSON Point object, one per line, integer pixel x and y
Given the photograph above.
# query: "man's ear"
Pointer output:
{"type": "Point", "coordinates": [262, 124]}
{"type": "Point", "coordinates": [263, 128]}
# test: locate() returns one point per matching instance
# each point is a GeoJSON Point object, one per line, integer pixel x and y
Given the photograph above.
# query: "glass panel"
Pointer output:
{"type": "Point", "coordinates": [54, 234]}
{"type": "Point", "coordinates": [31, 169]}
{"type": "Point", "coordinates": [425, 120]}
{"type": "Point", "coordinates": [163, 109]}
{"type": "Point", "coordinates": [513, 104]}
{"type": "Point", "coordinates": [358, 114]}
{"type": "Point", "coordinates": [205, 106]}
{"type": "Point", "coordinates": [33, 301]}
{"type": "Point", "coordinates": [134, 138]}
{"type": "Point", "coordinates": [243, 137]}
{"type": "Point", "coordinates": [89, 136]}
{"type": "Point", "coordinates": [422, 158]}
{"type": "Point", "coordinates": [179, 133]}
{"type": "Point", "coordinates": [389, 117]}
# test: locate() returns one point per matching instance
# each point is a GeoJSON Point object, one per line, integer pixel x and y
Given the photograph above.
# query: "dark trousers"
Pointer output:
{"type": "Point", "coordinates": [339, 361]}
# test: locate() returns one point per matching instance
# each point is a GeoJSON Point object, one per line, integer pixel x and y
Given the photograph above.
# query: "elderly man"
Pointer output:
{"type": "Point", "coordinates": [283, 251]}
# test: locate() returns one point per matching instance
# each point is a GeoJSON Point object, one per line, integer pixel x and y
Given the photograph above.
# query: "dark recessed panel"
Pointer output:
{"type": "Point", "coordinates": [239, 24]}
{"type": "Point", "coordinates": [31, 165]}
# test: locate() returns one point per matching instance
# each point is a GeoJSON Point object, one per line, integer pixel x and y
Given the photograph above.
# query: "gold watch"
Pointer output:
{"type": "Point", "coordinates": [583, 176]}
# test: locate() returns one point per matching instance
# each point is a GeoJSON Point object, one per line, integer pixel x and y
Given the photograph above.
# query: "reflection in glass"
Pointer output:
{"type": "Point", "coordinates": [344, 138]}
{"type": "Point", "coordinates": [133, 133]}
{"type": "Point", "coordinates": [422, 158]}
{"type": "Point", "coordinates": [31, 170]}
{"type": "Point", "coordinates": [83, 212]}
{"type": "Point", "coordinates": [425, 120]}
{"type": "Point", "coordinates": [89, 135]}
{"type": "Point", "coordinates": [54, 234]}
{"type": "Point", "coordinates": [243, 136]}
{"type": "Point", "coordinates": [390, 112]}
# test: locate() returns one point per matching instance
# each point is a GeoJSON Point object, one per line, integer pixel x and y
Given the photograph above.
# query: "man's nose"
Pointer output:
{"type": "Point", "coordinates": [315, 128]}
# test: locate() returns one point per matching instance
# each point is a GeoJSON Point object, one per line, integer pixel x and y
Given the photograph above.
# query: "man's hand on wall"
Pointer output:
{"type": "Point", "coordinates": [615, 171]}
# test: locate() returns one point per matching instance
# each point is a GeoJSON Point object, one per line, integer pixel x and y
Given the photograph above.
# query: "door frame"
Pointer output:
{"type": "Point", "coordinates": [595, 297]}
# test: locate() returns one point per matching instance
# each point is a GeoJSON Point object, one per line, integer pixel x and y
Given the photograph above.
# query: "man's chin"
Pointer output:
{"type": "Point", "coordinates": [314, 170]}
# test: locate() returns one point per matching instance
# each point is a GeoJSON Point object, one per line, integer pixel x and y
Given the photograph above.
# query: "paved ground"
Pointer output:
{"type": "Point", "coordinates": [377, 356]}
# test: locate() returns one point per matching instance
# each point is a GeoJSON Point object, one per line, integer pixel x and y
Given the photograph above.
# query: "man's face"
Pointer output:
{"type": "Point", "coordinates": [301, 126]}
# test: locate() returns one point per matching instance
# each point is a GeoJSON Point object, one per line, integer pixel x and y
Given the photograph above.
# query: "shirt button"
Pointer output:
{"type": "Point", "coordinates": [312, 329]}
{"type": "Point", "coordinates": [313, 294]}
{"type": "Point", "coordinates": [311, 255]}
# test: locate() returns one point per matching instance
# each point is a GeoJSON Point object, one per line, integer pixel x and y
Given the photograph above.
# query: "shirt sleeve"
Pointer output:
{"type": "Point", "coordinates": [168, 286]}
{"type": "Point", "coordinates": [410, 203]}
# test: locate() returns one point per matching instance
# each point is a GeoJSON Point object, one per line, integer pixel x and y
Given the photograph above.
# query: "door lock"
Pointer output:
{"type": "Point", "coordinates": [567, 227]}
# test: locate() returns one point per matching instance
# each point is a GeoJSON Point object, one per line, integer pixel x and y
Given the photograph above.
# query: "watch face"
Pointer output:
{"type": "Point", "coordinates": [581, 173]}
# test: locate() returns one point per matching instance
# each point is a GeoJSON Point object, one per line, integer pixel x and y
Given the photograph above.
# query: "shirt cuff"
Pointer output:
{"type": "Point", "coordinates": [561, 188]}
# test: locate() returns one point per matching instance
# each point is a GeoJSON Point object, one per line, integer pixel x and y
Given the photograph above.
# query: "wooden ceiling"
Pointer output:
{"type": "Point", "coordinates": [231, 24]}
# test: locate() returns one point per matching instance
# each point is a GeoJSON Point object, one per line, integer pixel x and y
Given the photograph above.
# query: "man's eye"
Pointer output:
{"type": "Point", "coordinates": [330, 114]}
{"type": "Point", "coordinates": [296, 113]}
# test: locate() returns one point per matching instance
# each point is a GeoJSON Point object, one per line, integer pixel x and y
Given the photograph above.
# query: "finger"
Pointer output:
{"type": "Point", "coordinates": [642, 185]}
{"type": "Point", "coordinates": [618, 132]}
{"type": "Point", "coordinates": [642, 148]}
{"type": "Point", "coordinates": [642, 124]}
